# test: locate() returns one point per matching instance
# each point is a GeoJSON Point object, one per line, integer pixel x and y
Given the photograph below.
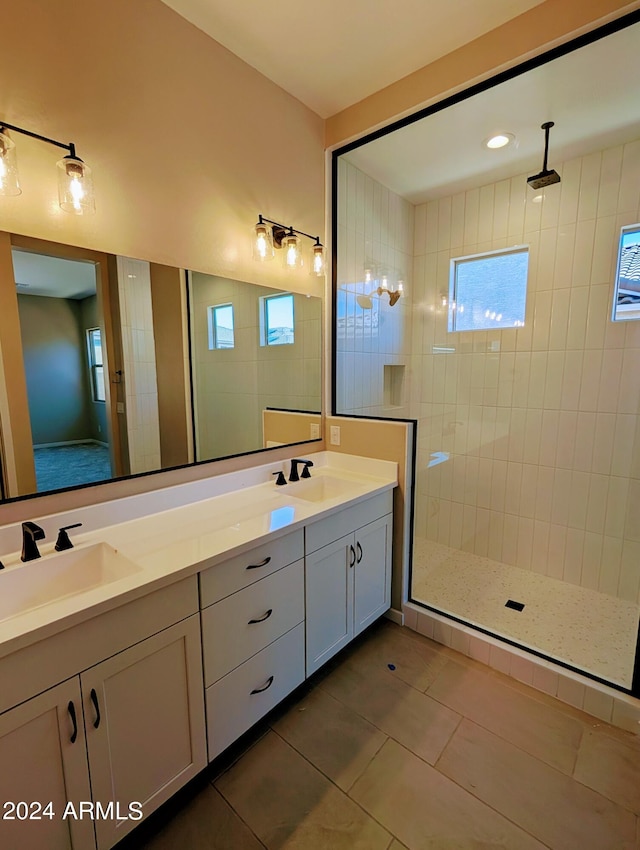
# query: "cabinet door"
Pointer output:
{"type": "Point", "coordinates": [144, 715]}
{"type": "Point", "coordinates": [329, 600]}
{"type": "Point", "coordinates": [40, 764]}
{"type": "Point", "coordinates": [372, 592]}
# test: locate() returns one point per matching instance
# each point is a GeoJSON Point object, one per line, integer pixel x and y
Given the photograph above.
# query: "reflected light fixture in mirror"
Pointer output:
{"type": "Point", "coordinates": [9, 182]}
{"type": "Point", "coordinates": [271, 235]}
{"type": "Point", "coordinates": [75, 185]}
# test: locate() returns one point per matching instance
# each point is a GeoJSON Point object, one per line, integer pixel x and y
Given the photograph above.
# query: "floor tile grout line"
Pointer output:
{"type": "Point", "coordinates": [239, 816]}
{"type": "Point", "coordinates": [347, 795]}
{"type": "Point", "coordinates": [583, 728]}
{"type": "Point", "coordinates": [482, 802]}
{"type": "Point", "coordinates": [546, 764]}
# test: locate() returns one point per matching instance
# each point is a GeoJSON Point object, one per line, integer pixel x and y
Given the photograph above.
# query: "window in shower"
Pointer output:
{"type": "Point", "coordinates": [626, 298]}
{"type": "Point", "coordinates": [488, 291]}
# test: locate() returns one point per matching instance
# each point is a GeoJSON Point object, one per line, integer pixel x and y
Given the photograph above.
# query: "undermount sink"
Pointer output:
{"type": "Point", "coordinates": [321, 489]}
{"type": "Point", "coordinates": [60, 575]}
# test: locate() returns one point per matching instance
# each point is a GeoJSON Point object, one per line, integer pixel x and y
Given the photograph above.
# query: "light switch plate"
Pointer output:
{"type": "Point", "coordinates": [315, 431]}
{"type": "Point", "coordinates": [334, 436]}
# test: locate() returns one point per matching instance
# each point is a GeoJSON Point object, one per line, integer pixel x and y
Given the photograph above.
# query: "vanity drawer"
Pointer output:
{"type": "Point", "coordinates": [245, 695]}
{"type": "Point", "coordinates": [242, 570]}
{"type": "Point", "coordinates": [325, 531]}
{"type": "Point", "coordinates": [241, 625]}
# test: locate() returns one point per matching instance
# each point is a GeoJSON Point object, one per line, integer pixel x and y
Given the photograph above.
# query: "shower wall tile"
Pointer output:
{"type": "Point", "coordinates": [540, 423]}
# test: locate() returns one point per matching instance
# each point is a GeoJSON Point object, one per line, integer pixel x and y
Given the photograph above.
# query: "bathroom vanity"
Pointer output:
{"type": "Point", "coordinates": [175, 632]}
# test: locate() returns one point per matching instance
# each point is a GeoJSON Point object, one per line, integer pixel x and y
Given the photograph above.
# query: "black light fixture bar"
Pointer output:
{"type": "Point", "coordinates": [4, 125]}
{"type": "Point", "coordinates": [283, 230]}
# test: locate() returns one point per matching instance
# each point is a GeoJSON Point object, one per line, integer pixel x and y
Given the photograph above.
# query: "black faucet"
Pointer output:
{"type": "Point", "coordinates": [30, 533]}
{"type": "Point", "coordinates": [294, 469]}
{"type": "Point", "coordinates": [63, 542]}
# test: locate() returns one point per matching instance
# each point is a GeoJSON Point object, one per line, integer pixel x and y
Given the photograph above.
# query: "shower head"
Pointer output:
{"type": "Point", "coordinates": [547, 176]}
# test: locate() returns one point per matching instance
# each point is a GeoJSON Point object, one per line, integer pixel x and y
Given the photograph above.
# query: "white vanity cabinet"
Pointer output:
{"type": "Point", "coordinates": [252, 636]}
{"type": "Point", "coordinates": [348, 579]}
{"type": "Point", "coordinates": [128, 729]}
{"type": "Point", "coordinates": [44, 764]}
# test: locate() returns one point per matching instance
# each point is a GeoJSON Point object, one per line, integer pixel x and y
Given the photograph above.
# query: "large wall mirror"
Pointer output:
{"type": "Point", "coordinates": [111, 366]}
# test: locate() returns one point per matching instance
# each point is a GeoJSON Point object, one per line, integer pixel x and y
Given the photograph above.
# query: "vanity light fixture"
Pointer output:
{"type": "Point", "coordinates": [75, 186]}
{"type": "Point", "coordinates": [271, 235]}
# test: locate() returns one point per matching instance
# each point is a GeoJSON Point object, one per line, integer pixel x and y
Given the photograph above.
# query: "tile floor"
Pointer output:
{"type": "Point", "coordinates": [440, 753]}
{"type": "Point", "coordinates": [586, 629]}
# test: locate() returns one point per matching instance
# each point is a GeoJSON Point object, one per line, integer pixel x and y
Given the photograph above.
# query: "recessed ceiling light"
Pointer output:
{"type": "Point", "coordinates": [500, 140]}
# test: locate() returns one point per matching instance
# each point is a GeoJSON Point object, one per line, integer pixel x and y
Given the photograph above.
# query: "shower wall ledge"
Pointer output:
{"type": "Point", "coordinates": [600, 701]}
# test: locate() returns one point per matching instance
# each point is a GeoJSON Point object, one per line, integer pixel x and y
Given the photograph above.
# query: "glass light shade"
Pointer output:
{"type": "Point", "coordinates": [9, 183]}
{"type": "Point", "coordinates": [292, 257]}
{"type": "Point", "coordinates": [263, 243]}
{"type": "Point", "coordinates": [317, 261]}
{"type": "Point", "coordinates": [75, 186]}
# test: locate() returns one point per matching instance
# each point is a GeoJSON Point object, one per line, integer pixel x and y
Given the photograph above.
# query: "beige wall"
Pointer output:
{"type": "Point", "coordinates": [546, 25]}
{"type": "Point", "coordinates": [187, 142]}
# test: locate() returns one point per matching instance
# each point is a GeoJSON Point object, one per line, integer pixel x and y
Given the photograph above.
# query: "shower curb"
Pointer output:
{"type": "Point", "coordinates": [598, 700]}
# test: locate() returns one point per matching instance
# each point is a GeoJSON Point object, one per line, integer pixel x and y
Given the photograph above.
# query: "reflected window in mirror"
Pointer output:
{"type": "Point", "coordinates": [277, 321]}
{"type": "Point", "coordinates": [96, 365]}
{"type": "Point", "coordinates": [221, 326]}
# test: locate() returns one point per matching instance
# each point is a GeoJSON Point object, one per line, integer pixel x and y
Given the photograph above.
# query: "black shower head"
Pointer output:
{"type": "Point", "coordinates": [547, 176]}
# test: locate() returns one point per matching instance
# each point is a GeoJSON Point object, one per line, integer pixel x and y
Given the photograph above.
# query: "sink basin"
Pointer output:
{"type": "Point", "coordinates": [321, 489]}
{"type": "Point", "coordinates": [60, 575]}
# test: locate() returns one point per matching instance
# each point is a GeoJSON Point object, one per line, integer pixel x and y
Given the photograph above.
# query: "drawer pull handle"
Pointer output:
{"type": "Point", "coordinates": [353, 555]}
{"type": "Point", "coordinates": [72, 714]}
{"type": "Point", "coordinates": [261, 619]}
{"type": "Point", "coordinates": [257, 566]}
{"type": "Point", "coordinates": [266, 687]}
{"type": "Point", "coordinates": [359, 552]}
{"type": "Point", "coordinates": [94, 700]}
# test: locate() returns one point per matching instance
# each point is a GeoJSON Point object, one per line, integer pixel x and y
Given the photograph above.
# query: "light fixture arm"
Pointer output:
{"type": "Point", "coordinates": [281, 230]}
{"type": "Point", "coordinates": [4, 125]}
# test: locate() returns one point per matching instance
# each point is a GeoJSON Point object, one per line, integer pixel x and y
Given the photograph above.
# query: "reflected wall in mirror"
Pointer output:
{"type": "Point", "coordinates": [95, 372]}
{"type": "Point", "coordinates": [253, 348]}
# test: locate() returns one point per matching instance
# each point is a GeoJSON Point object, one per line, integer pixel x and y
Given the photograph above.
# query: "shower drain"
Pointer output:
{"type": "Point", "coordinates": [511, 603]}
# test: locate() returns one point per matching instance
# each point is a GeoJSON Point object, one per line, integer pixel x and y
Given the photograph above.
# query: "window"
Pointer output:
{"type": "Point", "coordinates": [220, 320]}
{"type": "Point", "coordinates": [96, 366]}
{"type": "Point", "coordinates": [276, 320]}
{"type": "Point", "coordinates": [626, 297]}
{"type": "Point", "coordinates": [488, 291]}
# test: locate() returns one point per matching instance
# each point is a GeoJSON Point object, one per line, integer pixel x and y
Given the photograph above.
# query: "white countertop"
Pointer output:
{"type": "Point", "coordinates": [168, 545]}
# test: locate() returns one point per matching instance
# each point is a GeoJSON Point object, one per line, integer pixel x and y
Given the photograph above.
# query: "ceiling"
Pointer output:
{"type": "Point", "coordinates": [331, 54]}
{"type": "Point", "coordinates": [590, 94]}
{"type": "Point", "coordinates": [53, 277]}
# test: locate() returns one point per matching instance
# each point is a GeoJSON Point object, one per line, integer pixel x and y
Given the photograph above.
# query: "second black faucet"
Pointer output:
{"type": "Point", "coordinates": [293, 476]}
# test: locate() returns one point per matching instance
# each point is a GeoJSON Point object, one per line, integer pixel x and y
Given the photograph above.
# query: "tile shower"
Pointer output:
{"type": "Point", "coordinates": [528, 457]}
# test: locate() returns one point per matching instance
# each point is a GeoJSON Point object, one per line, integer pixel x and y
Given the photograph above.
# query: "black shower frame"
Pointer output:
{"type": "Point", "coordinates": [583, 40]}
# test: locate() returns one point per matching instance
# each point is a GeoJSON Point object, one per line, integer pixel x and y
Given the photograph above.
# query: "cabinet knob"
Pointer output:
{"type": "Point", "coordinates": [353, 555]}
{"type": "Point", "coordinates": [359, 547]}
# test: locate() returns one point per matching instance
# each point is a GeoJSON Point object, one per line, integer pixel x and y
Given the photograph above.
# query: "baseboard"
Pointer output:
{"type": "Point", "coordinates": [395, 616]}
